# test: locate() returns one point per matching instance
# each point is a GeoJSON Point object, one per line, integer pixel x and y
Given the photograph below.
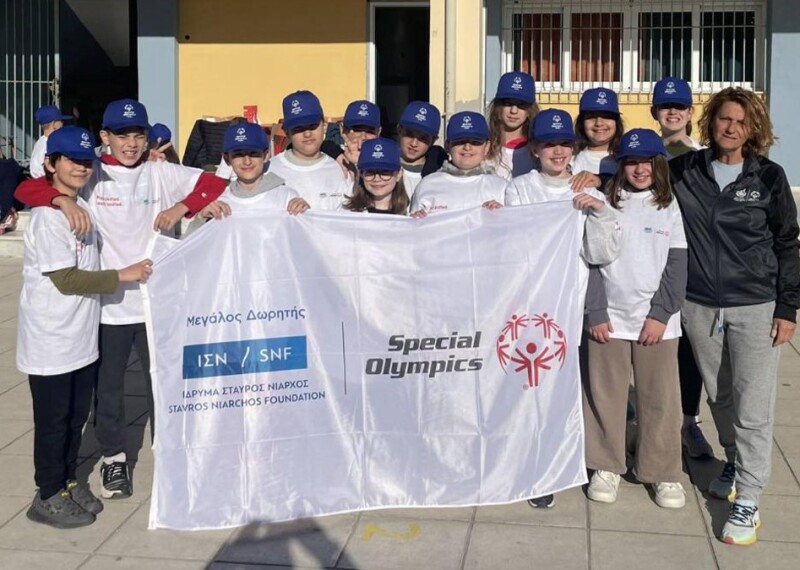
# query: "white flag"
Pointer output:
{"type": "Point", "coordinates": [331, 362]}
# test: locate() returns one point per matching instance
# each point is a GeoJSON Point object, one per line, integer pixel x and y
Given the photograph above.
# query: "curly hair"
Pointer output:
{"type": "Point", "coordinates": [661, 189]}
{"type": "Point", "coordinates": [495, 113]}
{"type": "Point", "coordinates": [362, 199]}
{"type": "Point", "coordinates": [583, 140]}
{"type": "Point", "coordinates": [761, 136]}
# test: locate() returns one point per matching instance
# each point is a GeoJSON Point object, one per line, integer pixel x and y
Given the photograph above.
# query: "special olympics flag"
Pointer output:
{"type": "Point", "coordinates": [331, 362]}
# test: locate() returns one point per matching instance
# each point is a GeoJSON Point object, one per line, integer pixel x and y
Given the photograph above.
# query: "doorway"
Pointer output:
{"type": "Point", "coordinates": [400, 58]}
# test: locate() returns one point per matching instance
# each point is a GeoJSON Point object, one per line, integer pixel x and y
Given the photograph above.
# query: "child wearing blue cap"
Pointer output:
{"type": "Point", "coordinates": [638, 333]}
{"type": "Point", "coordinates": [246, 149]}
{"type": "Point", "coordinates": [126, 196]}
{"type": "Point", "coordinates": [316, 176]}
{"type": "Point", "coordinates": [50, 119]}
{"type": "Point", "coordinates": [159, 143]}
{"type": "Point", "coordinates": [361, 122]}
{"type": "Point", "coordinates": [417, 131]}
{"type": "Point", "coordinates": [598, 129]}
{"type": "Point", "coordinates": [673, 109]}
{"type": "Point", "coordinates": [379, 185]}
{"type": "Point", "coordinates": [465, 181]}
{"type": "Point", "coordinates": [510, 115]}
{"type": "Point", "coordinates": [553, 141]}
{"type": "Point", "coordinates": [57, 332]}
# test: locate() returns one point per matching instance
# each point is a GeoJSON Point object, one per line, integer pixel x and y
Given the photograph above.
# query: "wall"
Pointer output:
{"type": "Point", "coordinates": [241, 52]}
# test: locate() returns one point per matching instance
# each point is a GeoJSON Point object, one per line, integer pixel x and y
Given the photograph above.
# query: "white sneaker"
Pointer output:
{"type": "Point", "coordinates": [603, 487]}
{"type": "Point", "coordinates": [670, 495]}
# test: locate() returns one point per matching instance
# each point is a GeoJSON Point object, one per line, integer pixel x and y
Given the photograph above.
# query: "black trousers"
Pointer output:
{"type": "Point", "coordinates": [116, 342]}
{"type": "Point", "coordinates": [690, 379]}
{"type": "Point", "coordinates": [61, 405]}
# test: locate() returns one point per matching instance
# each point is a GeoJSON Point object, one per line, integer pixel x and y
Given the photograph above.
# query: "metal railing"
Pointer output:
{"type": "Point", "coordinates": [29, 71]}
{"type": "Point", "coordinates": [628, 45]}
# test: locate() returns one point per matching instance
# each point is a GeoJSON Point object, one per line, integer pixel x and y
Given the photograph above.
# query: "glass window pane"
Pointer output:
{"type": "Point", "coordinates": [728, 46]}
{"type": "Point", "coordinates": [537, 45]}
{"type": "Point", "coordinates": [596, 47]}
{"type": "Point", "coordinates": [665, 45]}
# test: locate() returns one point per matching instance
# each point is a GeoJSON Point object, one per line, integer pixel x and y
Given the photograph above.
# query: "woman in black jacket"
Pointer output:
{"type": "Point", "coordinates": [743, 288]}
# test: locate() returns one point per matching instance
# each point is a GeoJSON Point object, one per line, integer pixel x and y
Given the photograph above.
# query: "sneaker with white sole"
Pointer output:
{"type": "Point", "coordinates": [669, 495]}
{"type": "Point", "coordinates": [116, 480]}
{"type": "Point", "coordinates": [724, 486]}
{"type": "Point", "coordinates": [59, 511]}
{"type": "Point", "coordinates": [546, 502]}
{"type": "Point", "coordinates": [695, 443]}
{"type": "Point", "coordinates": [743, 522]}
{"type": "Point", "coordinates": [82, 495]}
{"type": "Point", "coordinates": [603, 487]}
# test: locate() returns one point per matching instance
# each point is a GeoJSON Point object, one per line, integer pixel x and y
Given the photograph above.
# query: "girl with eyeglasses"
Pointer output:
{"type": "Point", "coordinates": [379, 184]}
{"type": "Point", "coordinates": [510, 115]}
{"type": "Point", "coordinates": [638, 334]}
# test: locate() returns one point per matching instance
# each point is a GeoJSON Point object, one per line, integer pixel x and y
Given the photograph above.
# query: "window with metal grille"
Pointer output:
{"type": "Point", "coordinates": [569, 45]}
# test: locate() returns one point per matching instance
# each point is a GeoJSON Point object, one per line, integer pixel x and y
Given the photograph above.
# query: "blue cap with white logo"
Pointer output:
{"type": "Point", "coordinates": [552, 125]}
{"type": "Point", "coordinates": [516, 85]}
{"type": "Point", "coordinates": [379, 154]}
{"type": "Point", "coordinates": [599, 99]}
{"type": "Point", "coordinates": [301, 108]}
{"type": "Point", "coordinates": [672, 90]}
{"type": "Point", "coordinates": [245, 136]}
{"type": "Point", "coordinates": [422, 116]}
{"type": "Point", "coordinates": [641, 142]}
{"type": "Point", "coordinates": [48, 114]}
{"type": "Point", "coordinates": [467, 125]}
{"type": "Point", "coordinates": [123, 114]}
{"type": "Point", "coordinates": [159, 131]}
{"type": "Point", "coordinates": [72, 142]}
{"type": "Point", "coordinates": [362, 114]}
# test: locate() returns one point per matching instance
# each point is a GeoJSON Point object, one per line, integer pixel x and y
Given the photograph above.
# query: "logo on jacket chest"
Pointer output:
{"type": "Point", "coordinates": [746, 195]}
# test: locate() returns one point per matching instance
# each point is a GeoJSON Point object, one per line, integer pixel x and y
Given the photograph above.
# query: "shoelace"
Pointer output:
{"type": "Point", "coordinates": [671, 486]}
{"type": "Point", "coordinates": [728, 473]}
{"type": "Point", "coordinates": [742, 514]}
{"type": "Point", "coordinates": [115, 471]}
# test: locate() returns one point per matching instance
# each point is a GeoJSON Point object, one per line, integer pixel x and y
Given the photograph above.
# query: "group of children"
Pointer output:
{"type": "Point", "coordinates": [83, 302]}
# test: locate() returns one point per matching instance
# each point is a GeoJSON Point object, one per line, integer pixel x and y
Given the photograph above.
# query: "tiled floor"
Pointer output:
{"type": "Point", "coordinates": [633, 533]}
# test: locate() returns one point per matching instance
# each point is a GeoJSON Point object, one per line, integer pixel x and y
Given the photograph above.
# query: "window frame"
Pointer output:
{"type": "Point", "coordinates": [629, 53]}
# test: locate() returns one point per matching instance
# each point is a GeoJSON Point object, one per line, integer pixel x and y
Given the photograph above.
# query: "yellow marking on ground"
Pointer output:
{"type": "Point", "coordinates": [374, 530]}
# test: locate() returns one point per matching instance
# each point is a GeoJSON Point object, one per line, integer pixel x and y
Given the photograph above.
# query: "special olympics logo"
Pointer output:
{"type": "Point", "coordinates": [533, 345]}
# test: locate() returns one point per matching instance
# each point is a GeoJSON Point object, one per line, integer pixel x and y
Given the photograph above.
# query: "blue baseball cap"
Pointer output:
{"type": "Point", "coordinates": [552, 125]}
{"type": "Point", "coordinates": [672, 90]}
{"type": "Point", "coordinates": [379, 154]}
{"type": "Point", "coordinates": [641, 142]}
{"type": "Point", "coordinates": [159, 131]}
{"type": "Point", "coordinates": [422, 116]}
{"type": "Point", "coordinates": [72, 142]}
{"type": "Point", "coordinates": [245, 136]}
{"type": "Point", "coordinates": [301, 108]}
{"type": "Point", "coordinates": [123, 114]}
{"type": "Point", "coordinates": [362, 114]}
{"type": "Point", "coordinates": [599, 99]}
{"type": "Point", "coordinates": [516, 85]}
{"type": "Point", "coordinates": [48, 114]}
{"type": "Point", "coordinates": [467, 125]}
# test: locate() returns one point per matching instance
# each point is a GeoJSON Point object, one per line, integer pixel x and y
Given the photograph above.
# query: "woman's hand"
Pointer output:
{"type": "Point", "coordinates": [782, 331]}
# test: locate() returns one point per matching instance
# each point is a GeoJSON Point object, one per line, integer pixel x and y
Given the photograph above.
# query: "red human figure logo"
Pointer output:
{"type": "Point", "coordinates": [512, 328]}
{"type": "Point", "coordinates": [548, 324]}
{"type": "Point", "coordinates": [561, 347]}
{"type": "Point", "coordinates": [533, 350]}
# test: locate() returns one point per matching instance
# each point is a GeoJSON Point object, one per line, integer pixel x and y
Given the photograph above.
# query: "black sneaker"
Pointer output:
{"type": "Point", "coordinates": [116, 480]}
{"type": "Point", "coordinates": [546, 502]}
{"type": "Point", "coordinates": [82, 495]}
{"type": "Point", "coordinates": [59, 511]}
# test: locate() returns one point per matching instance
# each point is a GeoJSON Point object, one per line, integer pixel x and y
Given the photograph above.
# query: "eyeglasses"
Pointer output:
{"type": "Point", "coordinates": [384, 175]}
{"type": "Point", "coordinates": [471, 142]}
{"type": "Point", "coordinates": [676, 106]}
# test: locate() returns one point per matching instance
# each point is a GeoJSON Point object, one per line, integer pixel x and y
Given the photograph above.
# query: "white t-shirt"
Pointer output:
{"type": "Point", "coordinates": [411, 180]}
{"type": "Point", "coordinates": [37, 157]}
{"type": "Point", "coordinates": [442, 191]}
{"type": "Point", "coordinates": [594, 161]}
{"type": "Point", "coordinates": [125, 203]}
{"type": "Point", "coordinates": [55, 333]}
{"type": "Point", "coordinates": [322, 184]}
{"type": "Point", "coordinates": [504, 164]}
{"type": "Point", "coordinates": [275, 199]}
{"type": "Point", "coordinates": [634, 277]}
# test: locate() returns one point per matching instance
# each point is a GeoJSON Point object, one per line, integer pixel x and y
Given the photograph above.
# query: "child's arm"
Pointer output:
{"type": "Point", "coordinates": [595, 313]}
{"type": "Point", "coordinates": [38, 192]}
{"type": "Point", "coordinates": [74, 281]}
{"type": "Point", "coordinates": [668, 297]}
{"type": "Point", "coordinates": [206, 189]}
{"type": "Point", "coordinates": [601, 236]}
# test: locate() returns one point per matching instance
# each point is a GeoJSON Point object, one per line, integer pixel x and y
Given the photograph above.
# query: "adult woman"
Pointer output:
{"type": "Point", "coordinates": [743, 289]}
